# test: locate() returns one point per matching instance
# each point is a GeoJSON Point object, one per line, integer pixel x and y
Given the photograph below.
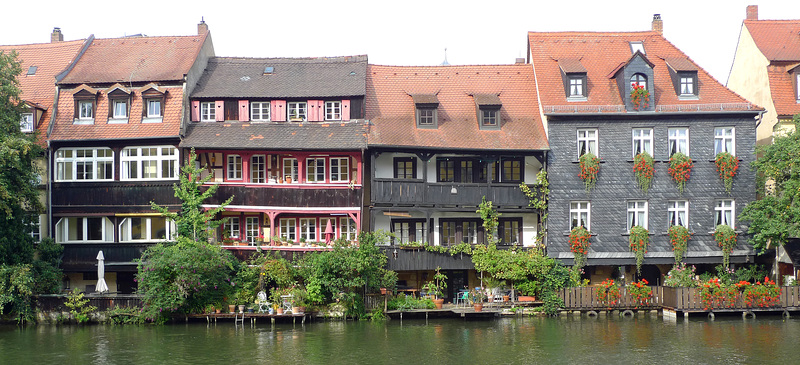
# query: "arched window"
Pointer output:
{"type": "Point", "coordinates": [639, 79]}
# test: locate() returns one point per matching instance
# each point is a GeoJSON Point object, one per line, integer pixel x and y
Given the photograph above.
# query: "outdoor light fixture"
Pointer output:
{"type": "Point", "coordinates": [394, 254]}
{"type": "Point", "coordinates": [453, 190]}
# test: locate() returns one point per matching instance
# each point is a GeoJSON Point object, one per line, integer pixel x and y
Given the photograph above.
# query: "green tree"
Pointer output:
{"type": "Point", "coordinates": [19, 179]}
{"type": "Point", "coordinates": [776, 216]}
{"type": "Point", "coordinates": [193, 221]}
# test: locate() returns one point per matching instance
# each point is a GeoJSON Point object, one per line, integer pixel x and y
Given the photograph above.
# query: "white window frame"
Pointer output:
{"type": "Point", "coordinates": [333, 110]}
{"type": "Point", "coordinates": [36, 228]}
{"type": "Point", "coordinates": [580, 211]}
{"type": "Point", "coordinates": [288, 229]}
{"type": "Point", "coordinates": [587, 141]}
{"type": "Point", "coordinates": [290, 167]}
{"type": "Point", "coordinates": [725, 212]}
{"type": "Point", "coordinates": [126, 227]}
{"type": "Point", "coordinates": [234, 167]}
{"type": "Point", "coordinates": [120, 108]}
{"type": "Point", "coordinates": [233, 227]}
{"type": "Point", "coordinates": [208, 111]}
{"type": "Point", "coordinates": [678, 140]}
{"type": "Point", "coordinates": [26, 123]}
{"type": "Point", "coordinates": [642, 141]}
{"type": "Point", "coordinates": [164, 155]}
{"type": "Point", "coordinates": [63, 229]}
{"type": "Point", "coordinates": [151, 112]}
{"type": "Point", "coordinates": [297, 111]}
{"type": "Point", "coordinates": [308, 229]}
{"type": "Point", "coordinates": [340, 170]}
{"type": "Point", "coordinates": [725, 140]}
{"type": "Point", "coordinates": [85, 110]}
{"type": "Point", "coordinates": [637, 214]}
{"type": "Point", "coordinates": [347, 228]}
{"type": "Point", "coordinates": [678, 213]}
{"type": "Point", "coordinates": [260, 111]}
{"type": "Point", "coordinates": [576, 87]}
{"type": "Point", "coordinates": [93, 162]}
{"type": "Point", "coordinates": [258, 169]}
{"type": "Point", "coordinates": [315, 170]}
{"type": "Point", "coordinates": [639, 79]}
{"type": "Point", "coordinates": [252, 228]}
{"type": "Point", "coordinates": [687, 85]}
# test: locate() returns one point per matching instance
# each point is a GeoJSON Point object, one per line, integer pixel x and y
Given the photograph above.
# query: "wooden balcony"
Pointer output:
{"type": "Point", "coordinates": [405, 192]}
{"type": "Point", "coordinates": [111, 196]}
{"type": "Point", "coordinates": [83, 256]}
{"type": "Point", "coordinates": [277, 195]}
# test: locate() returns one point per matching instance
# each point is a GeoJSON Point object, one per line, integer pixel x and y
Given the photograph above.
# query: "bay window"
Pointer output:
{"type": "Point", "coordinates": [150, 163]}
{"type": "Point", "coordinates": [146, 229]}
{"type": "Point", "coordinates": [84, 229]}
{"type": "Point", "coordinates": [83, 164]}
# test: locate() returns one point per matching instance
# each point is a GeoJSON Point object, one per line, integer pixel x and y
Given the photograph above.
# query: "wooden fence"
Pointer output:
{"type": "Point", "coordinates": [681, 299]}
{"type": "Point", "coordinates": [55, 302]}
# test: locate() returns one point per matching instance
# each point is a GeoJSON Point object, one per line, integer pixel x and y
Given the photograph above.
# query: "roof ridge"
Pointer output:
{"type": "Point", "coordinates": [45, 44]}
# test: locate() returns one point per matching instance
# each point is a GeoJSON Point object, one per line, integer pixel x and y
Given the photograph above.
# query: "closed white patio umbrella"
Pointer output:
{"type": "Point", "coordinates": [102, 287]}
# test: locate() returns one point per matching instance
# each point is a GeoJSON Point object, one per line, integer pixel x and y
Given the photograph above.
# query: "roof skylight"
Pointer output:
{"type": "Point", "coordinates": [637, 46]}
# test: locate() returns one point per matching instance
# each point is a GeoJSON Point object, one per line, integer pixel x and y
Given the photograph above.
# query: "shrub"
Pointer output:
{"type": "Point", "coordinates": [608, 293]}
{"type": "Point", "coordinates": [681, 276]}
{"type": "Point", "coordinates": [78, 307]}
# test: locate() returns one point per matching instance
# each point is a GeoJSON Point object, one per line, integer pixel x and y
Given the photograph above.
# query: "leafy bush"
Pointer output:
{"type": "Point", "coordinates": [681, 276]}
{"type": "Point", "coordinates": [16, 289]}
{"type": "Point", "coordinates": [78, 307]}
{"type": "Point", "coordinates": [46, 267]}
{"type": "Point", "coordinates": [404, 302]}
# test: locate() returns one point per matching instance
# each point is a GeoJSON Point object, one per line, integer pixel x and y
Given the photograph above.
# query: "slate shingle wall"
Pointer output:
{"type": "Point", "coordinates": [616, 183]}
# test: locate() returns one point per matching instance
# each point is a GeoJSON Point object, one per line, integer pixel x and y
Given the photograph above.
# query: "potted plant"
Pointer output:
{"type": "Point", "coordinates": [644, 170]}
{"type": "Point", "coordinates": [476, 298]}
{"type": "Point", "coordinates": [679, 237]}
{"type": "Point", "coordinates": [727, 165]}
{"type": "Point", "coordinates": [640, 97]}
{"type": "Point", "coordinates": [726, 239]}
{"type": "Point", "coordinates": [436, 288]}
{"type": "Point", "coordinates": [276, 300]}
{"type": "Point", "coordinates": [680, 168]}
{"type": "Point", "coordinates": [590, 166]}
{"type": "Point", "coordinates": [639, 240]}
{"type": "Point", "coordinates": [579, 245]}
{"type": "Point", "coordinates": [299, 297]}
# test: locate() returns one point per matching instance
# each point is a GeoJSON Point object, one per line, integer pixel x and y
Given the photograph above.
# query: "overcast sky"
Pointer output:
{"type": "Point", "coordinates": [411, 32]}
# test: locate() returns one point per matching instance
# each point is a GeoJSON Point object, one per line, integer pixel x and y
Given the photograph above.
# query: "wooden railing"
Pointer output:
{"type": "Point", "coordinates": [417, 192]}
{"type": "Point", "coordinates": [681, 299]}
{"type": "Point", "coordinates": [55, 302]}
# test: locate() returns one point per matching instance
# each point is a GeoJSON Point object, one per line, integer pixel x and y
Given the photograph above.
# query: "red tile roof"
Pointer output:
{"type": "Point", "coordinates": [65, 129]}
{"type": "Point", "coordinates": [391, 109]}
{"type": "Point", "coordinates": [778, 40]}
{"type": "Point", "coordinates": [136, 59]}
{"type": "Point", "coordinates": [50, 59]}
{"type": "Point", "coordinates": [602, 53]}
{"type": "Point", "coordinates": [782, 91]}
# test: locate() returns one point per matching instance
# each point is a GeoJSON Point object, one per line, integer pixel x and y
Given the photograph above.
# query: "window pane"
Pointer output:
{"type": "Point", "coordinates": [94, 229]}
{"type": "Point", "coordinates": [158, 228]}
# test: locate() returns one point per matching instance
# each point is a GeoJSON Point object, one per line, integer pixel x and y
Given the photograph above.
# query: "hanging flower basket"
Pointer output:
{"type": "Point", "coordinates": [590, 166]}
{"type": "Point", "coordinates": [639, 240]}
{"type": "Point", "coordinates": [726, 238]}
{"type": "Point", "coordinates": [680, 168]}
{"type": "Point", "coordinates": [644, 170]}
{"type": "Point", "coordinates": [727, 165]}
{"type": "Point", "coordinates": [679, 236]}
{"type": "Point", "coordinates": [640, 97]}
{"type": "Point", "coordinates": [579, 245]}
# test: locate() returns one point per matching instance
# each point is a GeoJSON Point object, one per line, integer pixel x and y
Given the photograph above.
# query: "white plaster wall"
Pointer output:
{"type": "Point", "coordinates": [384, 165]}
{"type": "Point", "coordinates": [749, 79]}
{"type": "Point", "coordinates": [532, 167]}
{"type": "Point", "coordinates": [76, 281]}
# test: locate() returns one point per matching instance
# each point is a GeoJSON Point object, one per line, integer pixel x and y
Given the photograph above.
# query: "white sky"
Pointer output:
{"type": "Point", "coordinates": [411, 32]}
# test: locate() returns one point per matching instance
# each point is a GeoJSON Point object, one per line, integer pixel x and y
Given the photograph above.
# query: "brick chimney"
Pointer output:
{"type": "Point", "coordinates": [752, 12]}
{"type": "Point", "coordinates": [56, 36]}
{"type": "Point", "coordinates": [658, 24]}
{"type": "Point", "coordinates": [202, 27]}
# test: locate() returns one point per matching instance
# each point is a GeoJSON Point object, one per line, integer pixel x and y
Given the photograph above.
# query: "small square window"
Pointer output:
{"type": "Point", "coordinates": [642, 141]}
{"type": "Point", "coordinates": [577, 88]}
{"type": "Point", "coordinates": [297, 111]}
{"type": "Point", "coordinates": [678, 213]}
{"type": "Point", "coordinates": [587, 142]}
{"type": "Point", "coordinates": [637, 214]}
{"type": "Point", "coordinates": [426, 117]}
{"type": "Point", "coordinates": [259, 111]}
{"type": "Point", "coordinates": [724, 140]}
{"type": "Point", "coordinates": [687, 85]}
{"type": "Point", "coordinates": [725, 213]}
{"type": "Point", "coordinates": [333, 110]}
{"type": "Point", "coordinates": [489, 117]}
{"type": "Point", "coordinates": [678, 141]}
{"type": "Point", "coordinates": [405, 167]}
{"type": "Point", "coordinates": [26, 124]}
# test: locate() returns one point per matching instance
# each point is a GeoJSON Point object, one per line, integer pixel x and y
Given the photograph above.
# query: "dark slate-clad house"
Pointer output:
{"type": "Point", "coordinates": [584, 80]}
{"type": "Point", "coordinates": [442, 138]}
{"type": "Point", "coordinates": [285, 137]}
{"type": "Point", "coordinates": [113, 148]}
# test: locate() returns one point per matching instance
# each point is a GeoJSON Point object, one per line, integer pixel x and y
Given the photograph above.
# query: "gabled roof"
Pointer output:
{"type": "Point", "coordinates": [328, 136]}
{"type": "Point", "coordinates": [391, 108]}
{"type": "Point", "coordinates": [778, 40]}
{"type": "Point", "coordinates": [604, 53]}
{"type": "Point", "coordinates": [50, 59]}
{"type": "Point", "coordinates": [65, 130]}
{"type": "Point", "coordinates": [288, 77]}
{"type": "Point", "coordinates": [136, 59]}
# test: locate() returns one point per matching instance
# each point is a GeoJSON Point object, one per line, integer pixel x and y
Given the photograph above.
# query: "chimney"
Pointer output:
{"type": "Point", "coordinates": [658, 24]}
{"type": "Point", "coordinates": [752, 12]}
{"type": "Point", "coordinates": [56, 36]}
{"type": "Point", "coordinates": [202, 27]}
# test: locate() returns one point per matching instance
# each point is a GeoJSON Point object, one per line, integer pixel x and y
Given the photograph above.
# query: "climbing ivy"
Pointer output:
{"type": "Point", "coordinates": [489, 216]}
{"type": "Point", "coordinates": [537, 199]}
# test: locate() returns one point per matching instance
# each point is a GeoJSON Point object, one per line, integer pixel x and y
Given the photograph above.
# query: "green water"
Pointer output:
{"type": "Point", "coordinates": [766, 340]}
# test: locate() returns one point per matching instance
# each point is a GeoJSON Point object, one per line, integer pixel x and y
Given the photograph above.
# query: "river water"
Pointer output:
{"type": "Point", "coordinates": [518, 340]}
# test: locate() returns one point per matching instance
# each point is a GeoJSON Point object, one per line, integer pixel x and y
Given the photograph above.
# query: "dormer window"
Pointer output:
{"type": "Point", "coordinates": [207, 111]}
{"type": "Point", "coordinates": [576, 86]}
{"type": "Point", "coordinates": [85, 110]}
{"type": "Point", "coordinates": [574, 76]}
{"type": "Point", "coordinates": [120, 109]}
{"type": "Point", "coordinates": [684, 77]}
{"type": "Point", "coordinates": [26, 124]}
{"type": "Point", "coordinates": [639, 80]}
{"type": "Point", "coordinates": [297, 111]}
{"type": "Point", "coordinates": [489, 117]}
{"type": "Point", "coordinates": [488, 107]}
{"type": "Point", "coordinates": [119, 103]}
{"type": "Point", "coordinates": [797, 84]}
{"type": "Point", "coordinates": [687, 85]}
{"type": "Point", "coordinates": [153, 109]}
{"type": "Point", "coordinates": [427, 110]}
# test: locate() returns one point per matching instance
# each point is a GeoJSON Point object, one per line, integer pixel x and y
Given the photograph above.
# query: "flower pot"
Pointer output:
{"type": "Point", "coordinates": [231, 308]}
{"type": "Point", "coordinates": [506, 298]}
{"type": "Point", "coordinates": [298, 310]}
{"type": "Point", "coordinates": [241, 308]}
{"type": "Point", "coordinates": [271, 311]}
{"type": "Point", "coordinates": [218, 310]}
{"type": "Point", "coordinates": [491, 299]}
{"type": "Point", "coordinates": [280, 311]}
{"type": "Point", "coordinates": [439, 303]}
{"type": "Point", "coordinates": [383, 291]}
{"type": "Point", "coordinates": [478, 307]}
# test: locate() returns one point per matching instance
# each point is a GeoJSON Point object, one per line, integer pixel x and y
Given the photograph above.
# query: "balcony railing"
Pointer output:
{"type": "Point", "coordinates": [277, 196]}
{"type": "Point", "coordinates": [87, 197]}
{"type": "Point", "coordinates": [417, 192]}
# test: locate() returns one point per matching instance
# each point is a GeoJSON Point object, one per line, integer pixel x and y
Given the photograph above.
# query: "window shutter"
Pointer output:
{"type": "Point", "coordinates": [144, 107]}
{"type": "Point", "coordinates": [75, 108]}
{"type": "Point", "coordinates": [312, 111]}
{"type": "Point", "coordinates": [220, 110]}
{"type": "Point", "coordinates": [195, 110]}
{"type": "Point", "coordinates": [345, 109]}
{"type": "Point", "coordinates": [244, 111]}
{"type": "Point", "coordinates": [163, 105]}
{"type": "Point", "coordinates": [278, 112]}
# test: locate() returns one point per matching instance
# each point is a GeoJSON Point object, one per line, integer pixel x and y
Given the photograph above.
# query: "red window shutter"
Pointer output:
{"type": "Point", "coordinates": [320, 110]}
{"type": "Point", "coordinates": [278, 110]}
{"type": "Point", "coordinates": [195, 110]}
{"type": "Point", "coordinates": [220, 110]}
{"type": "Point", "coordinates": [345, 109]}
{"type": "Point", "coordinates": [312, 111]}
{"type": "Point", "coordinates": [244, 111]}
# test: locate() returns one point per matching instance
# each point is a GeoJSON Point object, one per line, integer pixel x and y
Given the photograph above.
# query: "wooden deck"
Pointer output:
{"type": "Point", "coordinates": [253, 318]}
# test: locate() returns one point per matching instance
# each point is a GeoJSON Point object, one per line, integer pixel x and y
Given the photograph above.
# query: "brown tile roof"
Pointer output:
{"type": "Point", "coordinates": [136, 59]}
{"type": "Point", "coordinates": [602, 53]}
{"type": "Point", "coordinates": [778, 40]}
{"type": "Point", "coordinates": [278, 135]}
{"type": "Point", "coordinates": [66, 130]}
{"type": "Point", "coordinates": [782, 90]}
{"type": "Point", "coordinates": [391, 109]}
{"type": "Point", "coordinates": [290, 77]}
{"type": "Point", "coordinates": [50, 59]}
